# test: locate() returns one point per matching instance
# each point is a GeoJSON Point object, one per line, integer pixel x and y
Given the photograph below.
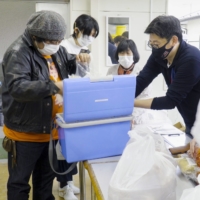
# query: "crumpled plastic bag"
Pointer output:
{"type": "Point", "coordinates": [142, 172]}
{"type": "Point", "coordinates": [148, 116]}
{"type": "Point", "coordinates": [192, 193]}
{"type": "Point", "coordinates": [82, 69]}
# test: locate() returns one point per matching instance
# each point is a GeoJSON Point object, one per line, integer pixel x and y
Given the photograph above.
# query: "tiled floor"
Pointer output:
{"type": "Point", "coordinates": [4, 176]}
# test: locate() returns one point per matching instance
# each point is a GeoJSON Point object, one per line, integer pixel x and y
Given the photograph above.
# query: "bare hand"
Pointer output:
{"type": "Point", "coordinates": [59, 84]}
{"type": "Point", "coordinates": [59, 100]}
{"type": "Point", "coordinates": [83, 57]}
{"type": "Point", "coordinates": [192, 148]}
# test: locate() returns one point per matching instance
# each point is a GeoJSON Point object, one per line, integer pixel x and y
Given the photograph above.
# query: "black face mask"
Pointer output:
{"type": "Point", "coordinates": [161, 53]}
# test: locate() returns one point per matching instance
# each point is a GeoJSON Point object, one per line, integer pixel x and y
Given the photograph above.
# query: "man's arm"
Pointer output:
{"type": "Point", "coordinates": [143, 103]}
{"type": "Point", "coordinates": [186, 77]}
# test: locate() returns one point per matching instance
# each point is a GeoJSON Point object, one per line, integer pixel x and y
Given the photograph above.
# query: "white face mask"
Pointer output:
{"type": "Point", "coordinates": [49, 49]}
{"type": "Point", "coordinates": [126, 61]}
{"type": "Point", "coordinates": [85, 40]}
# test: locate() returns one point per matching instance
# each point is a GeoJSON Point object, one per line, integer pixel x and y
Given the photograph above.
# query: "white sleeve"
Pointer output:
{"type": "Point", "coordinates": [195, 131]}
{"type": "Point", "coordinates": [93, 71]}
{"type": "Point", "coordinates": [110, 71]}
{"type": "Point", "coordinates": [65, 44]}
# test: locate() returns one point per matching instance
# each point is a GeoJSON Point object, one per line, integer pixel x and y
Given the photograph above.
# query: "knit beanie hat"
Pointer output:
{"type": "Point", "coordinates": [48, 25]}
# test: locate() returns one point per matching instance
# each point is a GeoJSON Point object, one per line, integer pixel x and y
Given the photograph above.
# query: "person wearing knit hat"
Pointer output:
{"type": "Point", "coordinates": [48, 25]}
{"type": "Point", "coordinates": [34, 66]}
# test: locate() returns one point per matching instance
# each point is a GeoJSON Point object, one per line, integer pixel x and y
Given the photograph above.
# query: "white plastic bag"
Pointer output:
{"type": "Point", "coordinates": [159, 142]}
{"type": "Point", "coordinates": [82, 69]}
{"type": "Point", "coordinates": [142, 172]}
{"type": "Point", "coordinates": [196, 127]}
{"type": "Point", "coordinates": [192, 193]}
{"type": "Point", "coordinates": [148, 116]}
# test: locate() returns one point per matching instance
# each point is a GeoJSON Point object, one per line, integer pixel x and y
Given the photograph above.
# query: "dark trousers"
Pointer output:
{"type": "Point", "coordinates": [32, 158]}
{"type": "Point", "coordinates": [63, 166]}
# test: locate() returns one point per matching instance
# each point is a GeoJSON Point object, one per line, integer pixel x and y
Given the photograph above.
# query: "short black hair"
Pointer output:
{"type": "Point", "coordinates": [126, 44]}
{"type": "Point", "coordinates": [119, 38]}
{"type": "Point", "coordinates": [165, 27]}
{"type": "Point", "coordinates": [125, 34]}
{"type": "Point", "coordinates": [86, 23]}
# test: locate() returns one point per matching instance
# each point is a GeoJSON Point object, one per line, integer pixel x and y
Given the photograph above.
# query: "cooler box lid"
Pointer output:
{"type": "Point", "coordinates": [92, 99]}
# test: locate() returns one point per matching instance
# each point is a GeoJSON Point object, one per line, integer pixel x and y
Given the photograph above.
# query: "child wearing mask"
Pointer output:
{"type": "Point", "coordinates": [86, 29]}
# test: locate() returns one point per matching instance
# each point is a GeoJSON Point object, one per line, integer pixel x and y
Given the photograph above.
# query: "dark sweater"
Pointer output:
{"type": "Point", "coordinates": [184, 90]}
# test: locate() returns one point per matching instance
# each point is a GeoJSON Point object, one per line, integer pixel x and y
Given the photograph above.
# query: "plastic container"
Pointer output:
{"type": "Point", "coordinates": [98, 98]}
{"type": "Point", "coordinates": [93, 139]}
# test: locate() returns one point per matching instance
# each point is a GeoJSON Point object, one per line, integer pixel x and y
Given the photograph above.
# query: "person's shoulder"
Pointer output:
{"type": "Point", "coordinates": [71, 46]}
{"type": "Point", "coordinates": [62, 49]}
{"type": "Point", "coordinates": [19, 47]}
{"type": "Point", "coordinates": [111, 46]}
{"type": "Point", "coordinates": [66, 43]}
{"type": "Point", "coordinates": [112, 70]}
{"type": "Point", "coordinates": [189, 51]}
{"type": "Point", "coordinates": [65, 54]}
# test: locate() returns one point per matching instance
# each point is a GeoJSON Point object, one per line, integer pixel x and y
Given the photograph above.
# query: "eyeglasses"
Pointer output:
{"type": "Point", "coordinates": [156, 46]}
{"type": "Point", "coordinates": [55, 42]}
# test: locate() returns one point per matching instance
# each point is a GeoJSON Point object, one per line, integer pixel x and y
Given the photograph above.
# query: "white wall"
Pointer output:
{"type": "Point", "coordinates": [180, 8]}
{"type": "Point", "coordinates": [194, 32]}
{"type": "Point", "coordinates": [14, 16]}
{"type": "Point", "coordinates": [62, 8]}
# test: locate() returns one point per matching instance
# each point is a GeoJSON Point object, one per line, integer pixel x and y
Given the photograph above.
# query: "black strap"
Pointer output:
{"type": "Point", "coordinates": [51, 146]}
{"type": "Point", "coordinates": [85, 51]}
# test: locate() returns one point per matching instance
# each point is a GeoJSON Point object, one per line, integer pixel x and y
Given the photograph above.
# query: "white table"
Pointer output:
{"type": "Point", "coordinates": [101, 170]}
{"type": "Point", "coordinates": [103, 173]}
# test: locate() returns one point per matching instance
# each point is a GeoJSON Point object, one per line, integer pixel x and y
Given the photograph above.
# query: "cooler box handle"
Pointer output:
{"type": "Point", "coordinates": [101, 78]}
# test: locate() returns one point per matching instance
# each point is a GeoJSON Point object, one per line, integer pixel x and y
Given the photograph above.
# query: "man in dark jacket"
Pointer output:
{"type": "Point", "coordinates": [34, 67]}
{"type": "Point", "coordinates": [179, 63]}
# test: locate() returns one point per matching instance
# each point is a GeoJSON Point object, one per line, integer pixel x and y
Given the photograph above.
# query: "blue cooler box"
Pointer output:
{"type": "Point", "coordinates": [94, 99]}
{"type": "Point", "coordinates": [93, 139]}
